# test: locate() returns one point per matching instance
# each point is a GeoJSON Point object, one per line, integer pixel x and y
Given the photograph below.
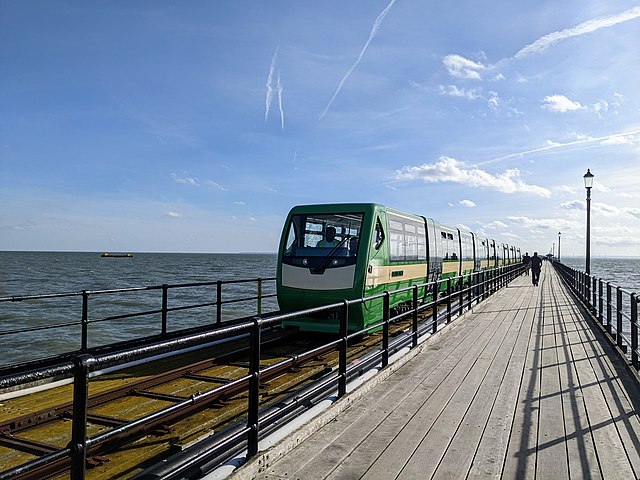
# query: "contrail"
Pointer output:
{"type": "Point", "coordinates": [558, 145]}
{"type": "Point", "coordinates": [586, 27]}
{"type": "Point", "coordinates": [465, 68]}
{"type": "Point", "coordinates": [269, 95]}
{"type": "Point", "coordinates": [279, 87]}
{"type": "Point", "coordinates": [374, 30]}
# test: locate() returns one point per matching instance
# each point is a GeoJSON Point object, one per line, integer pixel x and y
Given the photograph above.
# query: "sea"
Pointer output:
{"type": "Point", "coordinates": [43, 327]}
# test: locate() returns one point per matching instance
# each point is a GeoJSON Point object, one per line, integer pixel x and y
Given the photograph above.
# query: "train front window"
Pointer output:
{"type": "Point", "coordinates": [320, 241]}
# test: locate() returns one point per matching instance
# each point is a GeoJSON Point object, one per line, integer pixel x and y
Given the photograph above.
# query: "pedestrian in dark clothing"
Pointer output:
{"type": "Point", "coordinates": [536, 266]}
{"type": "Point", "coordinates": [526, 261]}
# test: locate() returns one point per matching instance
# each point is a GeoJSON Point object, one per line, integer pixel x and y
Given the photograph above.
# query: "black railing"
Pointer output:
{"type": "Point", "coordinates": [78, 324]}
{"type": "Point", "coordinates": [470, 290]}
{"type": "Point", "coordinates": [614, 308]}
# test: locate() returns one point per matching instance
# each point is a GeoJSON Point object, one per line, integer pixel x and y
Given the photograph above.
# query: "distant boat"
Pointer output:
{"type": "Point", "coordinates": [117, 255]}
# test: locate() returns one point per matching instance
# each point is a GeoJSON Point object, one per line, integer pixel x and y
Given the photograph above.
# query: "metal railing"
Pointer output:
{"type": "Point", "coordinates": [469, 290]}
{"type": "Point", "coordinates": [614, 308]}
{"type": "Point", "coordinates": [76, 323]}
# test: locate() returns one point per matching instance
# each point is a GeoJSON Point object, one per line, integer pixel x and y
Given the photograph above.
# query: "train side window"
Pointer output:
{"type": "Point", "coordinates": [292, 239]}
{"type": "Point", "coordinates": [379, 235]}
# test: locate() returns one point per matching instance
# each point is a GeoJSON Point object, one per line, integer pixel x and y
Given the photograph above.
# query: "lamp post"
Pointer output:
{"type": "Point", "coordinates": [588, 183]}
{"type": "Point", "coordinates": [559, 233]}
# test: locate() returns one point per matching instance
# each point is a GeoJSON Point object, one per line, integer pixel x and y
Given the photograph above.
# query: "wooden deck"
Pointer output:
{"type": "Point", "coordinates": [521, 388]}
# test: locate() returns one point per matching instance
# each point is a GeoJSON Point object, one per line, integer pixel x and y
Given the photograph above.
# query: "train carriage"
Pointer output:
{"type": "Point", "coordinates": [333, 252]}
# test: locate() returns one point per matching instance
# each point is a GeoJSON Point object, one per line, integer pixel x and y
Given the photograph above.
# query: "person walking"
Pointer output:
{"type": "Point", "coordinates": [526, 261]}
{"type": "Point", "coordinates": [536, 266]}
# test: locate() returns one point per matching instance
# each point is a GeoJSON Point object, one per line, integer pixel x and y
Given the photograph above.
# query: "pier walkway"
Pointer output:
{"type": "Point", "coordinates": [522, 387]}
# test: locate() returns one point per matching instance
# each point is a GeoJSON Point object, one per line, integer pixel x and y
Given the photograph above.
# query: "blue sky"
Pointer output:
{"type": "Point", "coordinates": [195, 126]}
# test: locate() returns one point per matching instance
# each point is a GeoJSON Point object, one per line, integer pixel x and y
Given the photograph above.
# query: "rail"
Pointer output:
{"type": "Point", "coordinates": [619, 318]}
{"type": "Point", "coordinates": [447, 295]}
{"type": "Point", "coordinates": [79, 326]}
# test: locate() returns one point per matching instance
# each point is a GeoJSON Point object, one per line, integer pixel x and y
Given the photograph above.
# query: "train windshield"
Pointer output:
{"type": "Point", "coordinates": [321, 241]}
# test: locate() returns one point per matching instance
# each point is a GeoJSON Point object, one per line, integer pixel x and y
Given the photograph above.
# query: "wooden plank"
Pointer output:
{"type": "Point", "coordinates": [551, 461]}
{"type": "Point", "coordinates": [357, 423]}
{"type": "Point", "coordinates": [488, 458]}
{"type": "Point", "coordinates": [581, 455]}
{"type": "Point", "coordinates": [399, 450]}
{"type": "Point", "coordinates": [520, 456]}
{"type": "Point", "coordinates": [458, 457]}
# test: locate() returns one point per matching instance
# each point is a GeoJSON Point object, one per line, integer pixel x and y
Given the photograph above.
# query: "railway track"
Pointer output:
{"type": "Point", "coordinates": [39, 423]}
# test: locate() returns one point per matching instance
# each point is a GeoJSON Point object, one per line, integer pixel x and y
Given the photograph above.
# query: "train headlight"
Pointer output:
{"type": "Point", "coordinates": [304, 262]}
{"type": "Point", "coordinates": [334, 262]}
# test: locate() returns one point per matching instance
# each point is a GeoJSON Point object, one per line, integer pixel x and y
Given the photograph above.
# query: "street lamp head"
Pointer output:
{"type": "Point", "coordinates": [588, 179]}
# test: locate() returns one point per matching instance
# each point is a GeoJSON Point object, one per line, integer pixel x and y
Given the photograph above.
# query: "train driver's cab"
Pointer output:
{"type": "Point", "coordinates": [320, 242]}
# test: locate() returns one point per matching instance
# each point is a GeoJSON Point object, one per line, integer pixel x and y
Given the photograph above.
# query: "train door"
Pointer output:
{"type": "Point", "coordinates": [467, 262]}
{"type": "Point", "coordinates": [450, 251]}
{"type": "Point", "coordinates": [483, 253]}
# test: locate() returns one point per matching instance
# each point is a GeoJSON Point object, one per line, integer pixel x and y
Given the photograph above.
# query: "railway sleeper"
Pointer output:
{"type": "Point", "coordinates": [26, 445]}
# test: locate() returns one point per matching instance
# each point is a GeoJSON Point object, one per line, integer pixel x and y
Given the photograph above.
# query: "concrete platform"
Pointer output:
{"type": "Point", "coordinates": [521, 388]}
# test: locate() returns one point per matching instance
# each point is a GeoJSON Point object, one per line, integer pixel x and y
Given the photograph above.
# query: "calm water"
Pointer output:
{"type": "Point", "coordinates": [623, 272]}
{"type": "Point", "coordinates": [32, 273]}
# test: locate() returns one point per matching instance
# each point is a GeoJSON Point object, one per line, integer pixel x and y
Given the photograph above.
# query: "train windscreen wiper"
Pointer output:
{"type": "Point", "coordinates": [323, 265]}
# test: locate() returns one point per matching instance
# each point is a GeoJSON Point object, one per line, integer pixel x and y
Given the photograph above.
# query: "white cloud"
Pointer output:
{"type": "Point", "coordinates": [560, 103]}
{"type": "Point", "coordinates": [493, 99]}
{"type": "Point", "coordinates": [186, 180]}
{"type": "Point", "coordinates": [173, 214]}
{"type": "Point", "coordinates": [460, 67]}
{"type": "Point", "coordinates": [567, 189]}
{"type": "Point", "coordinates": [454, 91]}
{"type": "Point", "coordinates": [467, 203]}
{"type": "Point", "coordinates": [495, 225]}
{"type": "Point", "coordinates": [216, 185]}
{"type": "Point", "coordinates": [448, 169]}
{"type": "Point", "coordinates": [573, 205]}
{"type": "Point", "coordinates": [589, 26]}
{"type": "Point", "coordinates": [620, 140]}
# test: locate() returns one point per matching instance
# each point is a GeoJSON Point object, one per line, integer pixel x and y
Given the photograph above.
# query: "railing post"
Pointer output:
{"type": "Point", "coordinates": [85, 322]}
{"type": "Point", "coordinates": [634, 331]}
{"type": "Point", "coordinates": [254, 389]}
{"type": "Point", "coordinates": [434, 315]}
{"type": "Point", "coordinates": [259, 297]}
{"type": "Point", "coordinates": [460, 295]}
{"type": "Point", "coordinates": [600, 309]}
{"type": "Point", "coordinates": [342, 354]}
{"type": "Point", "coordinates": [414, 326]}
{"type": "Point", "coordinates": [78, 445]}
{"type": "Point", "coordinates": [587, 290]}
{"type": "Point", "coordinates": [469, 291]}
{"type": "Point", "coordinates": [165, 295]}
{"type": "Point", "coordinates": [485, 279]}
{"type": "Point", "coordinates": [609, 307]}
{"type": "Point", "coordinates": [619, 317]}
{"type": "Point", "coordinates": [385, 330]}
{"type": "Point", "coordinates": [594, 290]}
{"type": "Point", "coordinates": [218, 302]}
{"type": "Point", "coordinates": [448, 300]}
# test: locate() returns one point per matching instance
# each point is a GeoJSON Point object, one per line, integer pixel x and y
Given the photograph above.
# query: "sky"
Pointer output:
{"type": "Point", "coordinates": [163, 126]}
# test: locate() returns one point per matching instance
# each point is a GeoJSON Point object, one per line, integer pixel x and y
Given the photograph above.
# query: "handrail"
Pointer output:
{"type": "Point", "coordinates": [473, 288]}
{"type": "Point", "coordinates": [597, 296]}
{"type": "Point", "coordinates": [84, 320]}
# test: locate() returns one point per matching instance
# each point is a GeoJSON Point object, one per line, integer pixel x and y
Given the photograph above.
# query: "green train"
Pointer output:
{"type": "Point", "coordinates": [333, 252]}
